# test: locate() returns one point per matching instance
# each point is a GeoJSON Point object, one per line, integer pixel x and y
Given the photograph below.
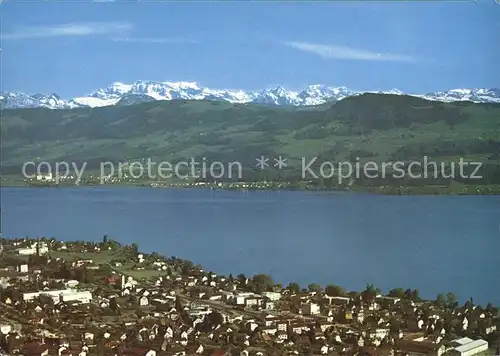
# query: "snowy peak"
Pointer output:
{"type": "Point", "coordinates": [183, 85]}
{"type": "Point", "coordinates": [476, 95]}
{"type": "Point", "coordinates": [319, 94]}
{"type": "Point", "coordinates": [115, 90]}
{"type": "Point", "coordinates": [140, 91]}
{"type": "Point", "coordinates": [13, 100]}
{"type": "Point", "coordinates": [276, 96]}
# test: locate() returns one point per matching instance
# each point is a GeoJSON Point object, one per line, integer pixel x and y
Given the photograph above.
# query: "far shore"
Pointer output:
{"type": "Point", "coordinates": [377, 190]}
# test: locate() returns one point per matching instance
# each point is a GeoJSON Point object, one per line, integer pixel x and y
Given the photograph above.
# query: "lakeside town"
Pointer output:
{"type": "Point", "coordinates": [103, 298]}
{"type": "Point", "coordinates": [48, 180]}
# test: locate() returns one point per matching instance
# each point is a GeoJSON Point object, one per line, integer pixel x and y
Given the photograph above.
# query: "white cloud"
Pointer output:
{"type": "Point", "coordinates": [71, 29]}
{"type": "Point", "coordinates": [341, 52]}
{"type": "Point", "coordinates": [153, 40]}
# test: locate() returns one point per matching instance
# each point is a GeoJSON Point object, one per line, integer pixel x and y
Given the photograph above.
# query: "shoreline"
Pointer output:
{"type": "Point", "coordinates": [490, 190]}
{"type": "Point", "coordinates": [119, 247]}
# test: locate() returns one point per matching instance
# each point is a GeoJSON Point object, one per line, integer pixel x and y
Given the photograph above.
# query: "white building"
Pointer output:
{"type": "Point", "coordinates": [338, 300]}
{"type": "Point", "coordinates": [379, 333]}
{"type": "Point", "coordinates": [22, 268]}
{"type": "Point", "coordinates": [84, 297]}
{"type": "Point", "coordinates": [144, 301]}
{"type": "Point", "coordinates": [26, 251]}
{"type": "Point", "coordinates": [241, 297]}
{"type": "Point", "coordinates": [490, 329]}
{"type": "Point", "coordinates": [273, 296]}
{"type": "Point", "coordinates": [72, 283]}
{"type": "Point", "coordinates": [269, 305]}
{"type": "Point", "coordinates": [128, 282]}
{"type": "Point", "coordinates": [42, 177]}
{"type": "Point", "coordinates": [65, 295]}
{"type": "Point", "coordinates": [196, 313]}
{"type": "Point", "coordinates": [5, 328]}
{"type": "Point", "coordinates": [468, 347]}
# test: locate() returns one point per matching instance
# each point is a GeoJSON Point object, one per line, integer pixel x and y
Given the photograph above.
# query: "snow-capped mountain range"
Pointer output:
{"type": "Point", "coordinates": [126, 94]}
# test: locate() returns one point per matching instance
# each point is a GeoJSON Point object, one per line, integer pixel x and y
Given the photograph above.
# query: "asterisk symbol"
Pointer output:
{"type": "Point", "coordinates": [280, 162]}
{"type": "Point", "coordinates": [262, 162]}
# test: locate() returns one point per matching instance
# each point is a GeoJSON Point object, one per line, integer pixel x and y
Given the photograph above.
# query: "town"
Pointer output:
{"type": "Point", "coordinates": [103, 298]}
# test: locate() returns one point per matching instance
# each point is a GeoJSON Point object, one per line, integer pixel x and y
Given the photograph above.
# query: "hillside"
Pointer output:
{"type": "Point", "coordinates": [370, 126]}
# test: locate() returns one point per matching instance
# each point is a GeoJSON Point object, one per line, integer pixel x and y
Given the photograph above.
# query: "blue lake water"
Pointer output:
{"type": "Point", "coordinates": [433, 243]}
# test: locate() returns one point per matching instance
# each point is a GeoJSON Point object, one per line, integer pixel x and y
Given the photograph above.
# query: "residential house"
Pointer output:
{"type": "Point", "coordinates": [310, 309]}
{"type": "Point", "coordinates": [255, 300]}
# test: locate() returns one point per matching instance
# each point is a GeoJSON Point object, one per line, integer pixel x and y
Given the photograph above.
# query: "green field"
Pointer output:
{"type": "Point", "coordinates": [101, 257]}
{"type": "Point", "coordinates": [106, 257]}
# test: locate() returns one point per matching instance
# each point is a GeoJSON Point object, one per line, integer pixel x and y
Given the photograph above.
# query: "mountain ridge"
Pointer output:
{"type": "Point", "coordinates": [316, 94]}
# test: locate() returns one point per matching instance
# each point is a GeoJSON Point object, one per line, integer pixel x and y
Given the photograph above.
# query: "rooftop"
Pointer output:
{"type": "Point", "coordinates": [471, 345]}
{"type": "Point", "coordinates": [463, 340]}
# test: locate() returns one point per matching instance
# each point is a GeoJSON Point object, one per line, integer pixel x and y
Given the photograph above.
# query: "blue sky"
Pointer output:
{"type": "Point", "coordinates": [72, 48]}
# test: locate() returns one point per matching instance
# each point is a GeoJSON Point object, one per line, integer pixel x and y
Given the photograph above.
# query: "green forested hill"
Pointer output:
{"type": "Point", "coordinates": [371, 126]}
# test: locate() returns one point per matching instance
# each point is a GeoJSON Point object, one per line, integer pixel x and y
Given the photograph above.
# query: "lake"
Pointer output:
{"type": "Point", "coordinates": [433, 243]}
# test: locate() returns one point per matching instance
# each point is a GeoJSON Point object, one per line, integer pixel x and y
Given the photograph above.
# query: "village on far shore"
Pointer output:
{"type": "Point", "coordinates": [103, 298]}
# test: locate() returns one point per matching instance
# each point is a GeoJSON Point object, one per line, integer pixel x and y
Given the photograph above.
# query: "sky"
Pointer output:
{"type": "Point", "coordinates": [74, 47]}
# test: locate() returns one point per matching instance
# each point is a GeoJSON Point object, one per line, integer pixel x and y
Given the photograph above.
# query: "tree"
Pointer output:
{"type": "Point", "coordinates": [395, 325]}
{"type": "Point", "coordinates": [215, 319]}
{"type": "Point", "coordinates": [186, 268]}
{"type": "Point", "coordinates": [469, 304]}
{"type": "Point", "coordinates": [88, 276]}
{"type": "Point", "coordinates": [313, 287]}
{"type": "Point", "coordinates": [155, 256]}
{"type": "Point", "coordinates": [441, 300]}
{"type": "Point", "coordinates": [81, 274]}
{"type": "Point", "coordinates": [113, 305]}
{"type": "Point", "coordinates": [370, 293]}
{"type": "Point", "coordinates": [397, 293]}
{"type": "Point", "coordinates": [163, 307]}
{"type": "Point", "coordinates": [411, 294]}
{"type": "Point", "coordinates": [334, 291]}
{"type": "Point", "coordinates": [178, 304]}
{"type": "Point", "coordinates": [263, 280]}
{"type": "Point", "coordinates": [451, 300]}
{"type": "Point", "coordinates": [134, 249]}
{"type": "Point", "coordinates": [370, 288]}
{"type": "Point", "coordinates": [492, 309]}
{"type": "Point", "coordinates": [241, 278]}
{"type": "Point", "coordinates": [294, 287]}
